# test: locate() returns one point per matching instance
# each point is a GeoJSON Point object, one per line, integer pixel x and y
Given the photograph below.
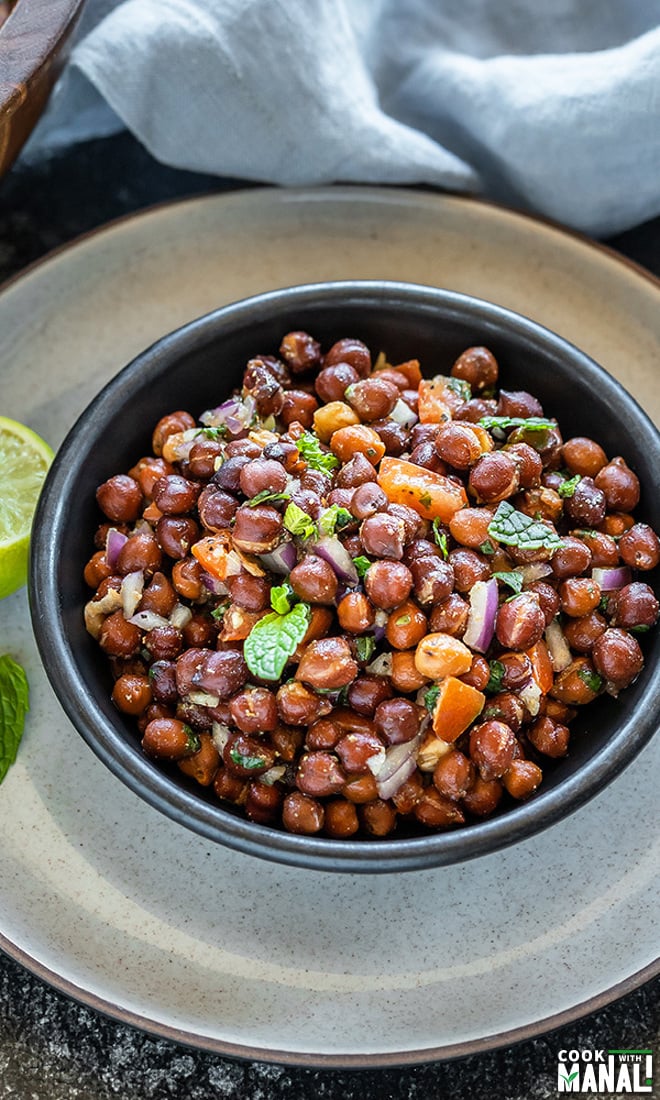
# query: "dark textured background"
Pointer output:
{"type": "Point", "coordinates": [53, 1049]}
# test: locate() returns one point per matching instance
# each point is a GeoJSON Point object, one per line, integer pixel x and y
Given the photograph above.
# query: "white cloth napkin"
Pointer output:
{"type": "Point", "coordinates": [553, 107]}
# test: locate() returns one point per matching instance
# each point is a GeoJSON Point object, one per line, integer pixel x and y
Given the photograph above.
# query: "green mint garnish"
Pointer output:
{"type": "Point", "coordinates": [512, 579]}
{"type": "Point", "coordinates": [361, 565]}
{"type": "Point", "coordinates": [568, 487]}
{"type": "Point", "coordinates": [499, 425]}
{"type": "Point", "coordinates": [216, 433]}
{"type": "Point", "coordinates": [641, 629]}
{"type": "Point", "coordinates": [247, 762]}
{"type": "Point", "coordinates": [593, 681]}
{"type": "Point", "coordinates": [265, 495]}
{"type": "Point", "coordinates": [497, 671]}
{"type": "Point", "coordinates": [403, 620]}
{"type": "Point", "coordinates": [298, 522]}
{"type": "Point", "coordinates": [280, 598]}
{"type": "Point", "coordinates": [440, 538]}
{"type": "Point", "coordinates": [431, 697]}
{"type": "Point", "coordinates": [334, 518]}
{"type": "Point", "coordinates": [604, 604]}
{"type": "Point", "coordinates": [425, 500]}
{"type": "Point", "coordinates": [310, 449]}
{"type": "Point", "coordinates": [273, 640]}
{"type": "Point", "coordinates": [218, 612]}
{"type": "Point", "coordinates": [364, 647]}
{"type": "Point", "coordinates": [14, 705]}
{"type": "Point", "coordinates": [514, 528]}
{"type": "Point", "coordinates": [460, 387]}
{"type": "Point", "coordinates": [487, 548]}
{"type": "Point", "coordinates": [194, 743]}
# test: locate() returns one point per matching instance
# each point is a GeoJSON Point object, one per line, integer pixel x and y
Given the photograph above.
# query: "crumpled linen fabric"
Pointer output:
{"type": "Point", "coordinates": [553, 108]}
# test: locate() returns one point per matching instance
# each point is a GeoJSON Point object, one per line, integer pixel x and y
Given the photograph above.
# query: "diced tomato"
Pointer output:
{"type": "Point", "coordinates": [431, 495]}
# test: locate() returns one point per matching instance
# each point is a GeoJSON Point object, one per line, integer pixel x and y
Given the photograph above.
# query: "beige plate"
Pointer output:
{"type": "Point", "coordinates": [142, 919]}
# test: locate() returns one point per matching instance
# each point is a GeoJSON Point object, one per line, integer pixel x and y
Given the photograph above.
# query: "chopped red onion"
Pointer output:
{"type": "Point", "coordinates": [403, 414]}
{"type": "Point", "coordinates": [220, 734]}
{"type": "Point", "coordinates": [180, 617]}
{"type": "Point", "coordinates": [481, 620]}
{"type": "Point", "coordinates": [132, 587]}
{"type": "Point", "coordinates": [202, 699]}
{"type": "Point", "coordinates": [214, 585]}
{"type": "Point", "coordinates": [530, 695]}
{"type": "Point", "coordinates": [235, 415]}
{"type": "Point", "coordinates": [610, 580]}
{"type": "Point", "coordinates": [381, 665]}
{"type": "Point", "coordinates": [335, 553]}
{"type": "Point", "coordinates": [399, 764]}
{"type": "Point", "coordinates": [148, 620]}
{"type": "Point", "coordinates": [558, 647]}
{"type": "Point", "coordinates": [282, 559]}
{"type": "Point", "coordinates": [113, 544]}
{"type": "Point", "coordinates": [534, 571]}
{"type": "Point", "coordinates": [381, 619]}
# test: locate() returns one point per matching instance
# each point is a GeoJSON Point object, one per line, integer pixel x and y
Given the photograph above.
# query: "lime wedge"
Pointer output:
{"type": "Point", "coordinates": [24, 461]}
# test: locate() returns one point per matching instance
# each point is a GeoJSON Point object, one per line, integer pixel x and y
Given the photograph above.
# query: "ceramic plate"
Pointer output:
{"type": "Point", "coordinates": [150, 923]}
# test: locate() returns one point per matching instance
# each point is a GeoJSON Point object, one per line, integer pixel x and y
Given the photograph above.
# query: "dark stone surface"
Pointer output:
{"type": "Point", "coordinates": [54, 1049]}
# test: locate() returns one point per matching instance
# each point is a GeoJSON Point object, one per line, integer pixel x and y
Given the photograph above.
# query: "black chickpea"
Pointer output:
{"type": "Point", "coordinates": [293, 582]}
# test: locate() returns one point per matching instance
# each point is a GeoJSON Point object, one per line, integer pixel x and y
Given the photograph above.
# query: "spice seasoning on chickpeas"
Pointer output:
{"type": "Point", "coordinates": [351, 600]}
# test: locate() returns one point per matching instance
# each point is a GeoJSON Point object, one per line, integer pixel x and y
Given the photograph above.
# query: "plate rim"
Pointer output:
{"type": "Point", "coordinates": [383, 1059]}
{"type": "Point", "coordinates": [379, 1060]}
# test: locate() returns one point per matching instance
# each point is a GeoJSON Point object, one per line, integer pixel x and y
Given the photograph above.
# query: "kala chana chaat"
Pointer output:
{"type": "Point", "coordinates": [352, 599]}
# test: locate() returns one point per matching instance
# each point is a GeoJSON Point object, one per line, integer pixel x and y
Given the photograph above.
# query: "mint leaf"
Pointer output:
{"type": "Point", "coordinates": [431, 697]}
{"type": "Point", "coordinates": [568, 487]}
{"type": "Point", "coordinates": [265, 495]}
{"type": "Point", "coordinates": [512, 579]}
{"type": "Point", "coordinates": [364, 647]}
{"type": "Point", "coordinates": [273, 640]}
{"type": "Point", "coordinates": [487, 547]}
{"type": "Point", "coordinates": [593, 681]}
{"type": "Point", "coordinates": [461, 387]}
{"type": "Point", "coordinates": [310, 449]}
{"type": "Point", "coordinates": [362, 564]}
{"type": "Point", "coordinates": [497, 671]}
{"type": "Point", "coordinates": [14, 705]}
{"type": "Point", "coordinates": [280, 598]}
{"type": "Point", "coordinates": [501, 424]}
{"type": "Point", "coordinates": [247, 762]}
{"type": "Point", "coordinates": [440, 538]}
{"type": "Point", "coordinates": [216, 433]}
{"type": "Point", "coordinates": [298, 522]}
{"type": "Point", "coordinates": [334, 518]}
{"type": "Point", "coordinates": [514, 528]}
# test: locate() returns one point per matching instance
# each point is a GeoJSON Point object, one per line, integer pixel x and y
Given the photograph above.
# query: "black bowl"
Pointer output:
{"type": "Point", "coordinates": [196, 367]}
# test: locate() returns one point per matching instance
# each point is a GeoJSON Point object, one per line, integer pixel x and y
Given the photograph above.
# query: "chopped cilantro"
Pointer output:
{"type": "Point", "coordinates": [425, 500]}
{"type": "Point", "coordinates": [310, 449]}
{"type": "Point", "coordinates": [403, 620]}
{"type": "Point", "coordinates": [487, 548]}
{"type": "Point", "coordinates": [219, 611]}
{"type": "Point", "coordinates": [641, 629]}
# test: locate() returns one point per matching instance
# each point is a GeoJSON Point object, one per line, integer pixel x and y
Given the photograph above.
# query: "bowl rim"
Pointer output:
{"type": "Point", "coordinates": [45, 23]}
{"type": "Point", "coordinates": [213, 821]}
